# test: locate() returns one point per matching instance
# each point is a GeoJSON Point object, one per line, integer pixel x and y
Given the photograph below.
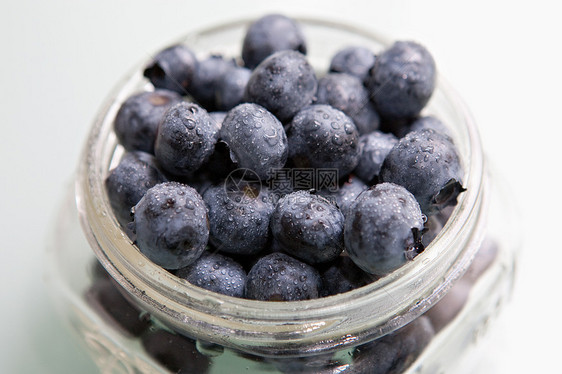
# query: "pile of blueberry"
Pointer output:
{"type": "Point", "coordinates": [262, 178]}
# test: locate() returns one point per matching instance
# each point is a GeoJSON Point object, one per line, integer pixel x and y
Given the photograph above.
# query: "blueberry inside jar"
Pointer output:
{"type": "Point", "coordinates": [393, 311]}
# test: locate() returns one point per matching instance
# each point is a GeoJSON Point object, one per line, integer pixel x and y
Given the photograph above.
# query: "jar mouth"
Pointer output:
{"type": "Point", "coordinates": [296, 327]}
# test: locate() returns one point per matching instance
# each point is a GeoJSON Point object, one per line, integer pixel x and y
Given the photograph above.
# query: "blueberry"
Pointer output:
{"type": "Point", "coordinates": [176, 353]}
{"type": "Point", "coordinates": [171, 225]}
{"type": "Point", "coordinates": [482, 261]}
{"type": "Point", "coordinates": [347, 93]}
{"type": "Point", "coordinates": [283, 83]}
{"type": "Point", "coordinates": [105, 298]}
{"type": "Point", "coordinates": [216, 273]}
{"type": "Point", "coordinates": [138, 118]}
{"type": "Point", "coordinates": [374, 146]}
{"type": "Point", "coordinates": [346, 194]}
{"type": "Point", "coordinates": [308, 227]}
{"type": "Point", "coordinates": [394, 353]}
{"type": "Point", "coordinates": [173, 69]}
{"type": "Point", "coordinates": [256, 139]}
{"type": "Point", "coordinates": [323, 137]}
{"type": "Point", "coordinates": [428, 165]}
{"type": "Point", "coordinates": [230, 89]}
{"type": "Point", "coordinates": [216, 119]}
{"type": "Point", "coordinates": [185, 139]}
{"type": "Point", "coordinates": [279, 277]}
{"type": "Point", "coordinates": [239, 219]}
{"type": "Point", "coordinates": [432, 228]}
{"type": "Point", "coordinates": [353, 60]}
{"type": "Point", "coordinates": [343, 275]}
{"type": "Point", "coordinates": [430, 122]}
{"type": "Point", "coordinates": [402, 80]}
{"type": "Point", "coordinates": [446, 309]}
{"type": "Point", "coordinates": [128, 182]}
{"type": "Point", "coordinates": [270, 34]}
{"type": "Point", "coordinates": [318, 364]}
{"type": "Point", "coordinates": [382, 227]}
{"type": "Point", "coordinates": [207, 78]}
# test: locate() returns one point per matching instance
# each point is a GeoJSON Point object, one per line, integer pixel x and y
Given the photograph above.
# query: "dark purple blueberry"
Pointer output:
{"type": "Point", "coordinates": [374, 146]}
{"type": "Point", "coordinates": [382, 228]}
{"type": "Point", "coordinates": [346, 194]}
{"type": "Point", "coordinates": [343, 275]}
{"type": "Point", "coordinates": [446, 309]}
{"type": "Point", "coordinates": [278, 277]}
{"type": "Point", "coordinates": [216, 119]}
{"type": "Point", "coordinates": [239, 219]}
{"type": "Point", "coordinates": [283, 83]}
{"type": "Point", "coordinates": [430, 122]}
{"type": "Point", "coordinates": [256, 139]}
{"type": "Point", "coordinates": [136, 122]}
{"type": "Point", "coordinates": [428, 165]}
{"type": "Point", "coordinates": [173, 69]}
{"type": "Point", "coordinates": [176, 353]}
{"type": "Point", "coordinates": [171, 225]}
{"type": "Point", "coordinates": [309, 227]}
{"type": "Point", "coordinates": [270, 34]}
{"type": "Point", "coordinates": [402, 80]}
{"type": "Point", "coordinates": [353, 60]}
{"type": "Point", "coordinates": [230, 89]}
{"type": "Point", "coordinates": [394, 353]}
{"type": "Point", "coordinates": [347, 93]}
{"type": "Point", "coordinates": [482, 261]}
{"type": "Point", "coordinates": [106, 299]}
{"type": "Point", "coordinates": [323, 137]}
{"type": "Point", "coordinates": [216, 273]}
{"type": "Point", "coordinates": [186, 139]}
{"type": "Point", "coordinates": [207, 78]}
{"type": "Point", "coordinates": [128, 182]}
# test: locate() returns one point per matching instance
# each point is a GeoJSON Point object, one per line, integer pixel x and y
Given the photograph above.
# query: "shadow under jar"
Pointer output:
{"type": "Point", "coordinates": [226, 334]}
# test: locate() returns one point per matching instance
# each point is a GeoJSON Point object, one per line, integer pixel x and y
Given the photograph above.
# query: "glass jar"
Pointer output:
{"type": "Point", "coordinates": [238, 335]}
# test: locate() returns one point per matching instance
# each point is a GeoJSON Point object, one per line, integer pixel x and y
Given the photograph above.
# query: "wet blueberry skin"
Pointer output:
{"type": "Point", "coordinates": [309, 227]}
{"type": "Point", "coordinates": [375, 146]}
{"type": "Point", "coordinates": [136, 122]}
{"type": "Point", "coordinates": [175, 352]}
{"type": "Point", "coordinates": [173, 69]}
{"type": "Point", "coordinates": [171, 225]}
{"type": "Point", "coordinates": [279, 277]}
{"type": "Point", "coordinates": [128, 182]}
{"type": "Point", "coordinates": [217, 273]}
{"type": "Point", "coordinates": [402, 80]}
{"type": "Point", "coordinates": [354, 60]}
{"type": "Point", "coordinates": [185, 139]}
{"type": "Point", "coordinates": [347, 93]}
{"type": "Point", "coordinates": [283, 83]}
{"type": "Point", "coordinates": [381, 227]}
{"type": "Point", "coordinates": [346, 194]}
{"type": "Point", "coordinates": [321, 136]}
{"type": "Point", "coordinates": [207, 78]}
{"type": "Point", "coordinates": [230, 89]}
{"type": "Point", "coordinates": [428, 165]}
{"type": "Point", "coordinates": [270, 34]}
{"type": "Point", "coordinates": [343, 275]}
{"type": "Point", "coordinates": [239, 224]}
{"type": "Point", "coordinates": [256, 139]}
{"type": "Point", "coordinates": [429, 122]}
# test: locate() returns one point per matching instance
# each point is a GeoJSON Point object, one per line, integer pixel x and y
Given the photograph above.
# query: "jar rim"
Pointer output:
{"type": "Point", "coordinates": [295, 327]}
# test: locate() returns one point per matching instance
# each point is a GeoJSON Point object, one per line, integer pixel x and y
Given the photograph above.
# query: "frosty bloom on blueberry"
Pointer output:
{"type": "Point", "coordinates": [277, 118]}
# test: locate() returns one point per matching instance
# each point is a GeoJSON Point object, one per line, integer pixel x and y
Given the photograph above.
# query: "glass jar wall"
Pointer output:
{"type": "Point", "coordinates": [130, 311]}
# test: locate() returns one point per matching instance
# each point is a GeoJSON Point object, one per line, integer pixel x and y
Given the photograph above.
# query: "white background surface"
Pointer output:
{"type": "Point", "coordinates": [61, 58]}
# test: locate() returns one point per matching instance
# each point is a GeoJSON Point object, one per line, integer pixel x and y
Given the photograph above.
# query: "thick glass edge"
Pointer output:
{"type": "Point", "coordinates": [295, 321]}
